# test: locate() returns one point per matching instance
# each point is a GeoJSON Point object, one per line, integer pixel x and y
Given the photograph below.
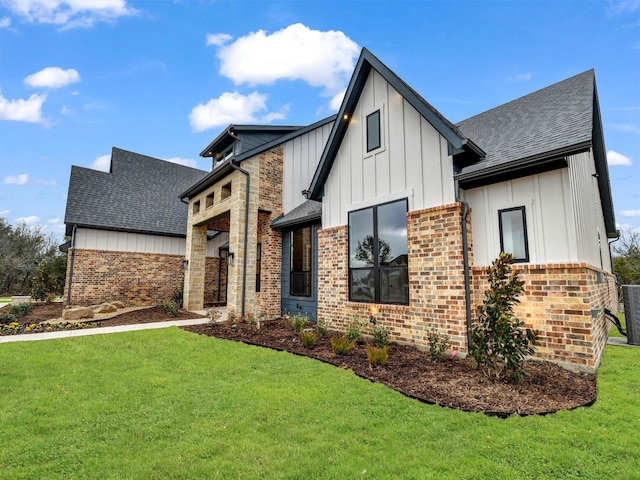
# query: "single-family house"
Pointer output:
{"type": "Point", "coordinates": [389, 210]}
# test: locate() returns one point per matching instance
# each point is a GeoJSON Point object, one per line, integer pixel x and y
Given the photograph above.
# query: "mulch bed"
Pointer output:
{"type": "Point", "coordinates": [453, 383]}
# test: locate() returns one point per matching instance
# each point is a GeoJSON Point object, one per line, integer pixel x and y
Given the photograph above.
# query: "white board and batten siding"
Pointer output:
{"type": "Point", "coordinates": [411, 163]}
{"type": "Point", "coordinates": [93, 239]}
{"type": "Point", "coordinates": [301, 157]}
{"type": "Point", "coordinates": [563, 215]}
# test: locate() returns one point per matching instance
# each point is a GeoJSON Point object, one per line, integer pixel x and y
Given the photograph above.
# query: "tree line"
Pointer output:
{"type": "Point", "coordinates": [30, 262]}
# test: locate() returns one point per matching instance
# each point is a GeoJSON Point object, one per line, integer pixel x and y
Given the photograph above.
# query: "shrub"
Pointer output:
{"type": "Point", "coordinates": [354, 329]}
{"type": "Point", "coordinates": [169, 307]}
{"type": "Point", "coordinates": [342, 345]}
{"type": "Point", "coordinates": [21, 309]}
{"type": "Point", "coordinates": [252, 321]}
{"type": "Point", "coordinates": [309, 339]}
{"type": "Point", "coordinates": [438, 344]}
{"type": "Point", "coordinates": [299, 322]}
{"type": "Point", "coordinates": [178, 298]}
{"type": "Point", "coordinates": [377, 355]}
{"type": "Point", "coordinates": [500, 344]}
{"type": "Point", "coordinates": [6, 317]}
{"type": "Point", "coordinates": [321, 328]}
{"type": "Point", "coordinates": [380, 335]}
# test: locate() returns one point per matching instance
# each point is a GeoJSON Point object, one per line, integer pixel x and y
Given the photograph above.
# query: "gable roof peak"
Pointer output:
{"type": "Point", "coordinates": [366, 62]}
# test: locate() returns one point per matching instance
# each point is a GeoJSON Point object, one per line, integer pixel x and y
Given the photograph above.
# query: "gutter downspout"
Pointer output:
{"type": "Point", "coordinates": [246, 225]}
{"type": "Point", "coordinates": [73, 257]}
{"type": "Point", "coordinates": [465, 261]}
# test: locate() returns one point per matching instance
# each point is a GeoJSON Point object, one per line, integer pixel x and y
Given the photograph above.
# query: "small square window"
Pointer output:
{"type": "Point", "coordinates": [209, 200]}
{"type": "Point", "coordinates": [374, 140]}
{"type": "Point", "coordinates": [226, 191]}
{"type": "Point", "coordinates": [513, 233]}
{"type": "Point", "coordinates": [196, 207]}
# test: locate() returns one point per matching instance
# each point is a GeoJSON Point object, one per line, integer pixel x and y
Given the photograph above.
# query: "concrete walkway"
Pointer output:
{"type": "Point", "coordinates": [30, 337]}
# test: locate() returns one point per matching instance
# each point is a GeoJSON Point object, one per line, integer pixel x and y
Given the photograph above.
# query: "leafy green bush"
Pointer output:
{"type": "Point", "coordinates": [380, 335]}
{"type": "Point", "coordinates": [299, 322]}
{"type": "Point", "coordinates": [321, 328]}
{"type": "Point", "coordinates": [169, 307]}
{"type": "Point", "coordinates": [342, 345]}
{"type": "Point", "coordinates": [500, 343]}
{"type": "Point", "coordinates": [6, 316]}
{"type": "Point", "coordinates": [377, 355]}
{"type": "Point", "coordinates": [49, 278]}
{"type": "Point", "coordinates": [438, 344]}
{"type": "Point", "coordinates": [178, 298]}
{"type": "Point", "coordinates": [21, 309]}
{"type": "Point", "coordinates": [354, 329]}
{"type": "Point", "coordinates": [309, 339]}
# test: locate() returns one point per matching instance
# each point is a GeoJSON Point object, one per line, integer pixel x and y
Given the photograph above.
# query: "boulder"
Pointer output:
{"type": "Point", "coordinates": [104, 308]}
{"type": "Point", "coordinates": [77, 313]}
{"type": "Point", "coordinates": [117, 304]}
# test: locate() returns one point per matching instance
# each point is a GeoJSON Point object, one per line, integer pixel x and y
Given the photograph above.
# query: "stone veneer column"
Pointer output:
{"type": "Point", "coordinates": [194, 279]}
{"type": "Point", "coordinates": [236, 242]}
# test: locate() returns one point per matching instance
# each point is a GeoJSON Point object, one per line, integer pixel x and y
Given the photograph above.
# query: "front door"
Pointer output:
{"type": "Point", "coordinates": [300, 271]}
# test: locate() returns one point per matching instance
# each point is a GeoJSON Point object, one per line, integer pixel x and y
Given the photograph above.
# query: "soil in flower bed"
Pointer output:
{"type": "Point", "coordinates": [42, 312]}
{"type": "Point", "coordinates": [454, 383]}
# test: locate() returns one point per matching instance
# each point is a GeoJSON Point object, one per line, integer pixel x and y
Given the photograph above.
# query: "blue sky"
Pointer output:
{"type": "Point", "coordinates": [164, 77]}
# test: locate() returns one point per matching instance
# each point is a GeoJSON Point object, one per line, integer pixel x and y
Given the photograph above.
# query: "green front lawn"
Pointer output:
{"type": "Point", "coordinates": [170, 404]}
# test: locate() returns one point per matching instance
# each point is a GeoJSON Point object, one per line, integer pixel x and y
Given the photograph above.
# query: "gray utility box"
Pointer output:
{"type": "Point", "coordinates": [631, 294]}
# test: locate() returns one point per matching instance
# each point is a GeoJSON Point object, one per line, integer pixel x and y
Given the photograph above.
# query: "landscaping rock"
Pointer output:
{"type": "Point", "coordinates": [117, 304]}
{"type": "Point", "coordinates": [77, 313]}
{"type": "Point", "coordinates": [104, 308]}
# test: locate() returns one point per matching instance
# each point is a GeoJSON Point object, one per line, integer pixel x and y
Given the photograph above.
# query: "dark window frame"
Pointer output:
{"type": "Point", "coordinates": [308, 273]}
{"type": "Point", "coordinates": [370, 146]}
{"type": "Point", "coordinates": [377, 269]}
{"type": "Point", "coordinates": [524, 227]}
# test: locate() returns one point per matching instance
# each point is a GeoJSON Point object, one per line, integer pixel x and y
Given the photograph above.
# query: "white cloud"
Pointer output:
{"type": "Point", "coordinates": [625, 127]}
{"type": "Point", "coordinates": [618, 7]}
{"type": "Point", "coordinates": [630, 213]}
{"type": "Point", "coordinates": [28, 220]}
{"type": "Point", "coordinates": [4, 212]}
{"type": "Point", "coordinates": [228, 108]}
{"type": "Point", "coordinates": [5, 22]}
{"type": "Point", "coordinates": [218, 39]}
{"type": "Point", "coordinates": [615, 158]}
{"type": "Point", "coordinates": [16, 179]}
{"type": "Point", "coordinates": [69, 13]}
{"type": "Point", "coordinates": [336, 101]}
{"type": "Point", "coordinates": [102, 163]}
{"type": "Point", "coordinates": [54, 221]}
{"type": "Point", "coordinates": [262, 59]}
{"type": "Point", "coordinates": [53, 77]}
{"type": "Point", "coordinates": [187, 162]}
{"type": "Point", "coordinates": [48, 183]}
{"type": "Point", "coordinates": [29, 110]}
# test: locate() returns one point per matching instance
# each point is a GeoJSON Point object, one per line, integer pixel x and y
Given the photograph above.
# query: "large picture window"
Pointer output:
{"type": "Point", "coordinates": [378, 254]}
{"type": "Point", "coordinates": [301, 262]}
{"type": "Point", "coordinates": [513, 233]}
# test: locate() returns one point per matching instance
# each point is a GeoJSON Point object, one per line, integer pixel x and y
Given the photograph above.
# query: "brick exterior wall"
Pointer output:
{"type": "Point", "coordinates": [565, 302]}
{"type": "Point", "coordinates": [270, 208]}
{"type": "Point", "coordinates": [215, 268]}
{"type": "Point", "coordinates": [134, 278]}
{"type": "Point", "coordinates": [436, 280]}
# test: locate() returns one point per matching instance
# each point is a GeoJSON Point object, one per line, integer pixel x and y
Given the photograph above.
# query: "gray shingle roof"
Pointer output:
{"type": "Point", "coordinates": [307, 212]}
{"type": "Point", "coordinates": [554, 119]}
{"type": "Point", "coordinates": [139, 194]}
